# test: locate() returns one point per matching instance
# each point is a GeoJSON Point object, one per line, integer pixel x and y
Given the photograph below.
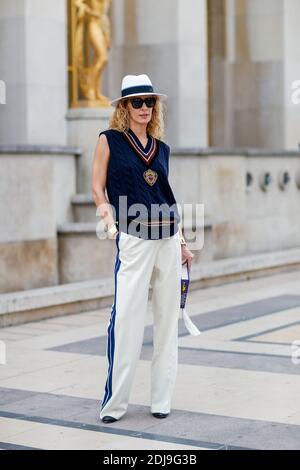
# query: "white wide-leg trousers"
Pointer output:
{"type": "Point", "coordinates": [140, 262]}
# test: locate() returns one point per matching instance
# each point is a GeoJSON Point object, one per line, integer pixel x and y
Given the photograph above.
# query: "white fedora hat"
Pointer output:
{"type": "Point", "coordinates": [136, 85]}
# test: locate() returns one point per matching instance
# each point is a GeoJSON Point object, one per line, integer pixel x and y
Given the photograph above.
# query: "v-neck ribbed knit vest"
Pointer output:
{"type": "Point", "coordinates": [141, 174]}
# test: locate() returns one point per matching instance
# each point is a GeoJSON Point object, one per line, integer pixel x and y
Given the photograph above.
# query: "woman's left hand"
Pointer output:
{"type": "Point", "coordinates": [186, 255]}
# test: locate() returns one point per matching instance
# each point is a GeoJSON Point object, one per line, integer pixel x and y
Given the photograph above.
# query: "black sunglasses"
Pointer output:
{"type": "Point", "coordinates": [138, 102]}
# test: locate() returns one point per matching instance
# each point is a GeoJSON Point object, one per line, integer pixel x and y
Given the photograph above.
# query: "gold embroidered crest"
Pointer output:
{"type": "Point", "coordinates": [150, 176]}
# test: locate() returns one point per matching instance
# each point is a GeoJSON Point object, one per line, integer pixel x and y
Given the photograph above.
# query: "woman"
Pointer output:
{"type": "Point", "coordinates": [131, 161]}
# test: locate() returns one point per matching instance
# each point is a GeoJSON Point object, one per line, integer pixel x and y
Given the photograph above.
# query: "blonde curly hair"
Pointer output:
{"type": "Point", "coordinates": [120, 119]}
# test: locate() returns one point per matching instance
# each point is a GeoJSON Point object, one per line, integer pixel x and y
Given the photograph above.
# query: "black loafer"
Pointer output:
{"type": "Point", "coordinates": [160, 415]}
{"type": "Point", "coordinates": [109, 419]}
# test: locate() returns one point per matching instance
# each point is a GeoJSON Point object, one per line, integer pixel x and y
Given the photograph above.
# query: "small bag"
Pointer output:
{"type": "Point", "coordinates": [185, 279]}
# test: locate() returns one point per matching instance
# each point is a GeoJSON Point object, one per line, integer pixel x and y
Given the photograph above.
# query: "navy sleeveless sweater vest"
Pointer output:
{"type": "Point", "coordinates": [137, 185]}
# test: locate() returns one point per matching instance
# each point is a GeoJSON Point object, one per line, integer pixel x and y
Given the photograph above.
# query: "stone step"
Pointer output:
{"type": "Point", "coordinates": [84, 208]}
{"type": "Point", "coordinates": [24, 306]}
{"type": "Point", "coordinates": [83, 256]}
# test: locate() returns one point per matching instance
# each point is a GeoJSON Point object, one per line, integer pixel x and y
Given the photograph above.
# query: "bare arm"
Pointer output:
{"type": "Point", "coordinates": [99, 175]}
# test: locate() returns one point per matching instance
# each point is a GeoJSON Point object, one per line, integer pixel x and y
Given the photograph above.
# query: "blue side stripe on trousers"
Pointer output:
{"type": "Point", "coordinates": [111, 335]}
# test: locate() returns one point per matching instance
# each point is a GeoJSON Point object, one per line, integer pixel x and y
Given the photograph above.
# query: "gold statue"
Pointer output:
{"type": "Point", "coordinates": [92, 29]}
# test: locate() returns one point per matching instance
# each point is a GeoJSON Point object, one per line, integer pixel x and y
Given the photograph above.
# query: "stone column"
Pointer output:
{"type": "Point", "coordinates": [247, 57]}
{"type": "Point", "coordinates": [168, 41]}
{"type": "Point", "coordinates": [291, 72]}
{"type": "Point", "coordinates": [33, 65]}
{"type": "Point", "coordinates": [191, 94]}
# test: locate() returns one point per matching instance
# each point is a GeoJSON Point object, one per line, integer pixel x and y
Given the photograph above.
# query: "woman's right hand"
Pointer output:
{"type": "Point", "coordinates": [114, 236]}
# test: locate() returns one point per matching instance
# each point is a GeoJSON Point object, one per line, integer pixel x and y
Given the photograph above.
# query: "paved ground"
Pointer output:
{"type": "Point", "coordinates": [237, 385]}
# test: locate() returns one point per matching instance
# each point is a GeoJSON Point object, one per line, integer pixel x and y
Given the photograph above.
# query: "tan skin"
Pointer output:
{"type": "Point", "coordinates": [139, 119]}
